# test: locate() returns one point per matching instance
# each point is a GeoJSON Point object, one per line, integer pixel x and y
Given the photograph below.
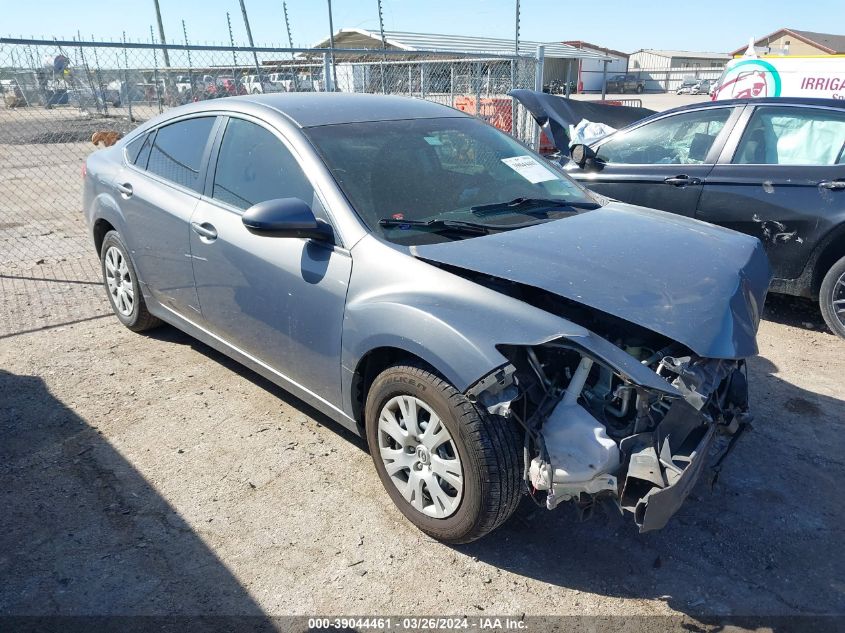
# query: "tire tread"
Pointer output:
{"type": "Point", "coordinates": [496, 443]}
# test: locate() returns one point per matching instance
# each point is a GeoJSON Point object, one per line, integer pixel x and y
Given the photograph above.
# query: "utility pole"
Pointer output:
{"type": "Point", "coordinates": [331, 47]}
{"type": "Point", "coordinates": [252, 45]}
{"type": "Point", "coordinates": [516, 31]}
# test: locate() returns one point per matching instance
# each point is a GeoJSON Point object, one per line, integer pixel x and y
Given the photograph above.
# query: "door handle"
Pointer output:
{"type": "Point", "coordinates": [124, 188]}
{"type": "Point", "coordinates": [682, 181]}
{"type": "Point", "coordinates": [205, 230]}
{"type": "Point", "coordinates": [832, 184]}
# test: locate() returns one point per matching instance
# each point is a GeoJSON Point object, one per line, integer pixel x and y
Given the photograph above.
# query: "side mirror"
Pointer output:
{"type": "Point", "coordinates": [585, 157]}
{"type": "Point", "coordinates": [581, 154]}
{"type": "Point", "coordinates": [285, 217]}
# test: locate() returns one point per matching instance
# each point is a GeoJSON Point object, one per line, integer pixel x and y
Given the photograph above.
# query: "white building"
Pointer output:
{"type": "Point", "coordinates": [561, 61]}
{"type": "Point", "coordinates": [591, 71]}
{"type": "Point", "coordinates": [667, 69]}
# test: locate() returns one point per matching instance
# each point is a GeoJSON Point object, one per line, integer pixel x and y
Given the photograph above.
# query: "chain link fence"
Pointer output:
{"type": "Point", "coordinates": [57, 95]}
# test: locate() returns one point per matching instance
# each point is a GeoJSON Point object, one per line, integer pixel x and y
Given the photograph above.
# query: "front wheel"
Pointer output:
{"type": "Point", "coordinates": [832, 298]}
{"type": "Point", "coordinates": [453, 471]}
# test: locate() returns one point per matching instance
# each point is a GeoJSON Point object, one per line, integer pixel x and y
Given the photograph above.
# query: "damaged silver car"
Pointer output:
{"type": "Point", "coordinates": [492, 328]}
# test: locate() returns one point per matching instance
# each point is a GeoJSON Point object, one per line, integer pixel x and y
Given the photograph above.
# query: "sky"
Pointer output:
{"type": "Point", "coordinates": [712, 25]}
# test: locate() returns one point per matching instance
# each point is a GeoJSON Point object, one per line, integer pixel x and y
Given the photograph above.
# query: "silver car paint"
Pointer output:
{"type": "Point", "coordinates": [394, 299]}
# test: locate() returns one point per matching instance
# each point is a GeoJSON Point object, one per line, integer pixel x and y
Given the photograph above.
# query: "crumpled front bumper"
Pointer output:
{"type": "Point", "coordinates": [664, 465]}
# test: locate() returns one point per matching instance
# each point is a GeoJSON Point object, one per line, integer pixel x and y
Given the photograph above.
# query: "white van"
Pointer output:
{"type": "Point", "coordinates": [750, 76]}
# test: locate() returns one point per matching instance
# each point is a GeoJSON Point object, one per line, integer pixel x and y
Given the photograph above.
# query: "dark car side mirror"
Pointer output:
{"type": "Point", "coordinates": [285, 217]}
{"type": "Point", "coordinates": [584, 156]}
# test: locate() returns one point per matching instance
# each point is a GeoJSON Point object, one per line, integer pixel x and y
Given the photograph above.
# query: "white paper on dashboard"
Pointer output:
{"type": "Point", "coordinates": [530, 169]}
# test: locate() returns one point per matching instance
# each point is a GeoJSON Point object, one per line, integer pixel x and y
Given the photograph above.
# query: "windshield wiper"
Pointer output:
{"type": "Point", "coordinates": [456, 226]}
{"type": "Point", "coordinates": [520, 204]}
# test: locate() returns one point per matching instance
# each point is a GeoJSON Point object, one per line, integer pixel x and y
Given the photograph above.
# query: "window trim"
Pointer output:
{"type": "Point", "coordinates": [713, 154]}
{"type": "Point", "coordinates": [201, 176]}
{"type": "Point", "coordinates": [731, 148]}
{"type": "Point", "coordinates": [211, 171]}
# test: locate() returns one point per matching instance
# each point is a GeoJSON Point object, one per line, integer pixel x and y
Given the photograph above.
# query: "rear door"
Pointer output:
{"type": "Point", "coordinates": [662, 163]}
{"type": "Point", "coordinates": [781, 178]}
{"type": "Point", "coordinates": [158, 191]}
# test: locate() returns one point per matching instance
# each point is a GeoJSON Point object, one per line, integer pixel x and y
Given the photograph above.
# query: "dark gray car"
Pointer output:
{"type": "Point", "coordinates": [488, 325]}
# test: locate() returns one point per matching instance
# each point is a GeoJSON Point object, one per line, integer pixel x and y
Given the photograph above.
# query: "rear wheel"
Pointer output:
{"type": "Point", "coordinates": [121, 282]}
{"type": "Point", "coordinates": [832, 298]}
{"type": "Point", "coordinates": [454, 472]}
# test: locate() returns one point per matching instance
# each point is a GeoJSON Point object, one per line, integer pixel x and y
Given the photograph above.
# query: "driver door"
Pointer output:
{"type": "Point", "coordinates": [663, 163]}
{"type": "Point", "coordinates": [278, 299]}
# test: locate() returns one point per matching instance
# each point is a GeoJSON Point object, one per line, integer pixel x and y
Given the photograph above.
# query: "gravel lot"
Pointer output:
{"type": "Point", "coordinates": [148, 474]}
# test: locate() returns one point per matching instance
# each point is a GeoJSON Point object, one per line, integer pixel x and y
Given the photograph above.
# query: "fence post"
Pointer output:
{"type": "Point", "coordinates": [604, 80]}
{"type": "Point", "coordinates": [513, 101]}
{"type": "Point", "coordinates": [155, 72]}
{"type": "Point", "coordinates": [422, 80]}
{"type": "Point", "coordinates": [190, 68]}
{"type": "Point", "coordinates": [452, 84]}
{"type": "Point", "coordinates": [476, 78]}
{"type": "Point", "coordinates": [538, 86]}
{"type": "Point", "coordinates": [327, 74]}
{"type": "Point", "coordinates": [126, 78]}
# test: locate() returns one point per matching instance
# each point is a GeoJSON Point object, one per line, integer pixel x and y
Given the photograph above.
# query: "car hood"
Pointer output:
{"type": "Point", "coordinates": [696, 283]}
{"type": "Point", "coordinates": [556, 114]}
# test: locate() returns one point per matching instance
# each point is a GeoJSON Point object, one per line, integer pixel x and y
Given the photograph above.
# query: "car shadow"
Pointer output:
{"type": "Point", "coordinates": [764, 540]}
{"type": "Point", "coordinates": [172, 335]}
{"type": "Point", "coordinates": [83, 533]}
{"type": "Point", "coordinates": [795, 311]}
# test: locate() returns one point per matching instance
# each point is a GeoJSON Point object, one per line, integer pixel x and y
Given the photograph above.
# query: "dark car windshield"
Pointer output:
{"type": "Point", "coordinates": [441, 175]}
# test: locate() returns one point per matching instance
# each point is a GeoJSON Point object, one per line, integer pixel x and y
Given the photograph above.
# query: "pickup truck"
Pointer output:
{"type": "Point", "coordinates": [625, 83]}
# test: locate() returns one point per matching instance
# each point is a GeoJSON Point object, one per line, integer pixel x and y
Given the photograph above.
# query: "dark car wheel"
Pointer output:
{"type": "Point", "coordinates": [121, 282]}
{"type": "Point", "coordinates": [454, 472]}
{"type": "Point", "coordinates": [832, 298]}
{"type": "Point", "coordinates": [640, 89]}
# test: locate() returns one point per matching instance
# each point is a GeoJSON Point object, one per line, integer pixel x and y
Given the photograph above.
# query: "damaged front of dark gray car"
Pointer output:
{"type": "Point", "coordinates": [634, 407]}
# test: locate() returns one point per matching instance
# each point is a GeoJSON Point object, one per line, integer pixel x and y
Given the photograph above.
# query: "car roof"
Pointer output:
{"type": "Point", "coordinates": [831, 103]}
{"type": "Point", "coordinates": [310, 109]}
{"type": "Point", "coordinates": [800, 101]}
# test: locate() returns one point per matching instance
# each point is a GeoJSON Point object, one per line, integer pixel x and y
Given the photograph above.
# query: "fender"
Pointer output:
{"type": "Point", "coordinates": [450, 322]}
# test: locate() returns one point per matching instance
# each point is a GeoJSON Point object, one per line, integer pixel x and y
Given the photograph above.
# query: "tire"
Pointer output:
{"type": "Point", "coordinates": [640, 89]}
{"type": "Point", "coordinates": [832, 298]}
{"type": "Point", "coordinates": [121, 283]}
{"type": "Point", "coordinates": [487, 449]}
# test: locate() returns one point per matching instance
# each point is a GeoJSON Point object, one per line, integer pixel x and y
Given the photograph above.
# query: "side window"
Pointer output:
{"type": "Point", "coordinates": [134, 148]}
{"type": "Point", "coordinates": [177, 151]}
{"type": "Point", "coordinates": [254, 166]}
{"type": "Point", "coordinates": [792, 136]}
{"type": "Point", "coordinates": [682, 139]}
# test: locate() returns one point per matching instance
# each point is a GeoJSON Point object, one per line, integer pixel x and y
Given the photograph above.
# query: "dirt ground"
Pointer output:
{"type": "Point", "coordinates": [148, 474]}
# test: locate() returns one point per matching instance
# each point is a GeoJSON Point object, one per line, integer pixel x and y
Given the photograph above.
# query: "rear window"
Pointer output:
{"type": "Point", "coordinates": [177, 151]}
{"type": "Point", "coordinates": [793, 136]}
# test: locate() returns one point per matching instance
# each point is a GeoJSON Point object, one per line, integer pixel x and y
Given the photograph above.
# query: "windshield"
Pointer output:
{"type": "Point", "coordinates": [420, 181]}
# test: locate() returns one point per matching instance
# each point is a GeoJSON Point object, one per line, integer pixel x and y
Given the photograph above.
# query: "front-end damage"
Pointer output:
{"type": "Point", "coordinates": [632, 420]}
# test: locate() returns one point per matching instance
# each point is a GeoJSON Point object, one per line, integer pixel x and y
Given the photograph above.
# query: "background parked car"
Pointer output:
{"type": "Point", "coordinates": [625, 83]}
{"type": "Point", "coordinates": [773, 168]}
{"type": "Point", "coordinates": [701, 88]}
{"type": "Point", "coordinates": [686, 86]}
{"type": "Point", "coordinates": [253, 84]}
{"type": "Point", "coordinates": [291, 82]}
